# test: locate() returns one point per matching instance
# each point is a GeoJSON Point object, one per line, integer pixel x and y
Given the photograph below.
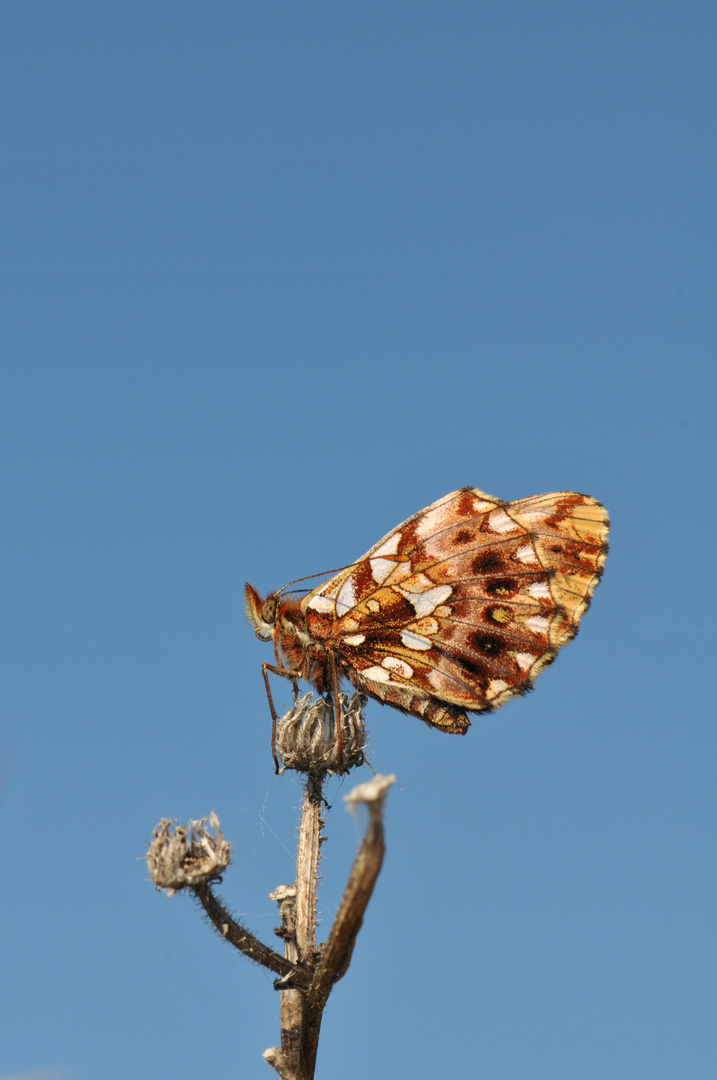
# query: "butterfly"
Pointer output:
{"type": "Point", "coordinates": [454, 611]}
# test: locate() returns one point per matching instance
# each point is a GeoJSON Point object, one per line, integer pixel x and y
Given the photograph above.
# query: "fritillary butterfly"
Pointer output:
{"type": "Point", "coordinates": [454, 611]}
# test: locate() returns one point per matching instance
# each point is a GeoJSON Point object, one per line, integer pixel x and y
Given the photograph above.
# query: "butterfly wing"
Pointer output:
{"type": "Point", "coordinates": [460, 607]}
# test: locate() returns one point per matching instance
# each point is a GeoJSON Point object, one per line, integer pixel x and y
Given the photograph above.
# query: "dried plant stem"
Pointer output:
{"type": "Point", "coordinates": [297, 907]}
{"type": "Point", "coordinates": [335, 955]}
{"type": "Point", "coordinates": [307, 873]}
{"type": "Point", "coordinates": [241, 939]}
{"type": "Point", "coordinates": [302, 1011]}
{"type": "Point", "coordinates": [307, 867]}
{"type": "Point", "coordinates": [285, 1059]}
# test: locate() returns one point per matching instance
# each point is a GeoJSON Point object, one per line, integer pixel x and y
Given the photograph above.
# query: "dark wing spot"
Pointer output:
{"type": "Point", "coordinates": [487, 644]}
{"type": "Point", "coordinates": [462, 537]}
{"type": "Point", "coordinates": [474, 669]}
{"type": "Point", "coordinates": [502, 587]}
{"type": "Point", "coordinates": [487, 563]}
{"type": "Point", "coordinates": [471, 666]}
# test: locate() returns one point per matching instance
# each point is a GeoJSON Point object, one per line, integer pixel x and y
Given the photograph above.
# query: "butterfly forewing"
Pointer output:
{"type": "Point", "coordinates": [464, 603]}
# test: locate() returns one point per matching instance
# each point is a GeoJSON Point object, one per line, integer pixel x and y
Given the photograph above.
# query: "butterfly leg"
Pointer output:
{"type": "Point", "coordinates": [288, 673]}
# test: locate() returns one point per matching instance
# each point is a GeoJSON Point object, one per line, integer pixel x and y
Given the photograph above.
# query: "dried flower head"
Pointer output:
{"type": "Point", "coordinates": [306, 735]}
{"type": "Point", "coordinates": [182, 856]}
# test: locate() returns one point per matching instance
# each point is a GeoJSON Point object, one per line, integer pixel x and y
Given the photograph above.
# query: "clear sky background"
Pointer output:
{"type": "Point", "coordinates": [274, 277]}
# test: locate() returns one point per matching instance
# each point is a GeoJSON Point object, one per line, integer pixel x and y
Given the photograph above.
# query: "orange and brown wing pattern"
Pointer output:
{"type": "Point", "coordinates": [461, 606]}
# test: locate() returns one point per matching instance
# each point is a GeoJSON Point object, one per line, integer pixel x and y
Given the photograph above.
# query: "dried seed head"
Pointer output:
{"type": "Point", "coordinates": [306, 735]}
{"type": "Point", "coordinates": [182, 856]}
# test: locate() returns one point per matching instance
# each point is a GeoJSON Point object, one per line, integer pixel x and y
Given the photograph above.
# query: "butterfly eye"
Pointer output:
{"type": "Point", "coordinates": [268, 611]}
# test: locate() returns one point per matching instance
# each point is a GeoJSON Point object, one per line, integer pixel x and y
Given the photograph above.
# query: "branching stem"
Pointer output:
{"type": "Point", "coordinates": [241, 939]}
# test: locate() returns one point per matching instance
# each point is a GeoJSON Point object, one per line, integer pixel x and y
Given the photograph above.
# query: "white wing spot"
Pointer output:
{"type": "Point", "coordinates": [539, 590]}
{"type": "Point", "coordinates": [500, 522]}
{"type": "Point", "coordinates": [526, 554]}
{"type": "Point", "coordinates": [431, 522]}
{"type": "Point", "coordinates": [373, 605]}
{"type": "Point", "coordinates": [399, 666]}
{"type": "Point", "coordinates": [321, 603]}
{"type": "Point", "coordinates": [380, 569]}
{"type": "Point", "coordinates": [524, 660]}
{"type": "Point", "coordinates": [537, 517]}
{"type": "Point", "coordinates": [426, 602]}
{"type": "Point", "coordinates": [354, 639]}
{"type": "Point", "coordinates": [537, 623]}
{"type": "Point", "coordinates": [496, 686]}
{"type": "Point", "coordinates": [436, 678]}
{"type": "Point", "coordinates": [388, 547]}
{"type": "Point", "coordinates": [415, 641]}
{"type": "Point", "coordinates": [347, 596]}
{"type": "Point", "coordinates": [376, 674]}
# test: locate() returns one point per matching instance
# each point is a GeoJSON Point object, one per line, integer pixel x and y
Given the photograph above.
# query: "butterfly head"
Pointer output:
{"type": "Point", "coordinates": [261, 613]}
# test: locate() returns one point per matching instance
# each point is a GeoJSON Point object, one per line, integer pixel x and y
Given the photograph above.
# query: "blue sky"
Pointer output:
{"type": "Point", "coordinates": [274, 277]}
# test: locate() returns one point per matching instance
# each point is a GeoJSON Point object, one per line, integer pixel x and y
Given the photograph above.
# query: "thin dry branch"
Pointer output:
{"type": "Point", "coordinates": [285, 1059]}
{"type": "Point", "coordinates": [335, 955]}
{"type": "Point", "coordinates": [292, 974]}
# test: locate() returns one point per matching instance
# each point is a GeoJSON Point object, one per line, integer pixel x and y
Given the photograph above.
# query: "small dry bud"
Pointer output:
{"type": "Point", "coordinates": [306, 735]}
{"type": "Point", "coordinates": [182, 856]}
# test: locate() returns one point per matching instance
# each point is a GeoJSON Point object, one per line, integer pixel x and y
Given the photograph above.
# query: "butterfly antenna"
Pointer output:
{"type": "Point", "coordinates": [321, 573]}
